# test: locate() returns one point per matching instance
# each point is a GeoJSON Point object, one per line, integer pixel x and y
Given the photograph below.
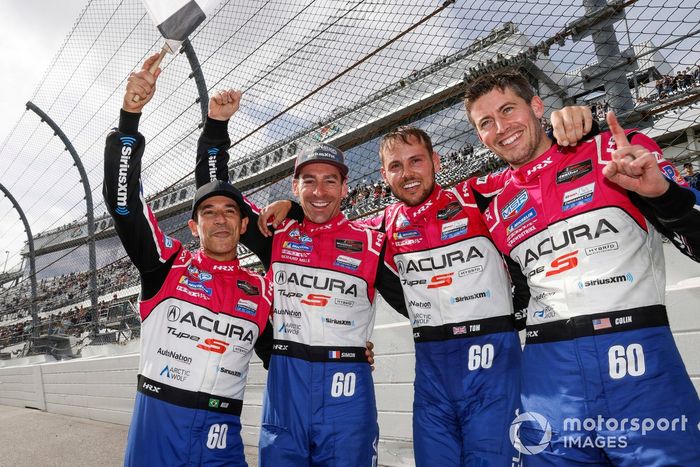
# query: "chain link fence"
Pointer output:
{"type": "Point", "coordinates": [342, 72]}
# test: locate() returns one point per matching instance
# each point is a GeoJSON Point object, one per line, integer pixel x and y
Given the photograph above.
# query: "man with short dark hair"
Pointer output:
{"type": "Point", "coordinates": [201, 312]}
{"type": "Point", "coordinates": [583, 223]}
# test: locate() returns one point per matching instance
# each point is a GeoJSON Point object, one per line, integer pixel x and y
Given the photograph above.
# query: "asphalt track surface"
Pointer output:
{"type": "Point", "coordinates": [33, 438]}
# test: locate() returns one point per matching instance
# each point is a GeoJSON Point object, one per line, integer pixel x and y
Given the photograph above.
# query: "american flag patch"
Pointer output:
{"type": "Point", "coordinates": [333, 354]}
{"type": "Point", "coordinates": [603, 323]}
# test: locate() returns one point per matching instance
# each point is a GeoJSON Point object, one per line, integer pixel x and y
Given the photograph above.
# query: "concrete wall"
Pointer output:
{"type": "Point", "coordinates": [98, 389]}
{"type": "Point", "coordinates": [103, 388]}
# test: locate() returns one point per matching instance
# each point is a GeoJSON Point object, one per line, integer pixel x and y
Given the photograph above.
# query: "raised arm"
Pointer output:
{"type": "Point", "coordinates": [150, 250]}
{"type": "Point", "coordinates": [572, 124]}
{"type": "Point", "coordinates": [212, 164]}
{"type": "Point", "coordinates": [214, 142]}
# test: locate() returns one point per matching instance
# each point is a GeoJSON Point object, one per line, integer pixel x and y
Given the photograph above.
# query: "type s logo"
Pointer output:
{"type": "Point", "coordinates": [213, 345]}
{"type": "Point", "coordinates": [563, 263]}
{"type": "Point", "coordinates": [441, 280]}
{"type": "Point", "coordinates": [315, 299]}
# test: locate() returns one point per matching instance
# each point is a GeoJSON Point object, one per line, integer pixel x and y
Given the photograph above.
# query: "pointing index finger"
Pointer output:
{"type": "Point", "coordinates": [617, 131]}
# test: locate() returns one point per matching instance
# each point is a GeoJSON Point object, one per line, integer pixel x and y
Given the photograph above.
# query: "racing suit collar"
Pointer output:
{"type": "Point", "coordinates": [203, 261]}
{"type": "Point", "coordinates": [313, 229]}
{"type": "Point", "coordinates": [426, 206]}
{"type": "Point", "coordinates": [533, 169]}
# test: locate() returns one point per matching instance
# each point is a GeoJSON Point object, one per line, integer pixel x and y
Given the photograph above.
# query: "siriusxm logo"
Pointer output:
{"type": "Point", "coordinates": [127, 144]}
{"type": "Point", "coordinates": [464, 298]}
{"type": "Point", "coordinates": [606, 280]}
{"type": "Point", "coordinates": [212, 162]}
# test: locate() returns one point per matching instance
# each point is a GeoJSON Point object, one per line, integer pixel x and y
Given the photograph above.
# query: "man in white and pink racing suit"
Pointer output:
{"type": "Point", "coordinates": [584, 225]}
{"type": "Point", "coordinates": [201, 313]}
{"type": "Point", "coordinates": [459, 301]}
{"type": "Point", "coordinates": [319, 406]}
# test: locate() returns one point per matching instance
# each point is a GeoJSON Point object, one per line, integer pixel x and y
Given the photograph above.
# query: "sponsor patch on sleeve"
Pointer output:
{"type": "Point", "coordinates": [449, 212]}
{"type": "Point", "coordinates": [515, 205]}
{"type": "Point", "coordinates": [522, 220]}
{"type": "Point", "coordinates": [406, 234]}
{"type": "Point", "coordinates": [246, 306]}
{"type": "Point", "coordinates": [347, 262]}
{"type": "Point", "coordinates": [247, 287]}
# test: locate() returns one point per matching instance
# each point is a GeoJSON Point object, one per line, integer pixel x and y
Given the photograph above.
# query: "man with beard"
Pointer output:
{"type": "Point", "coordinates": [319, 406]}
{"type": "Point", "coordinates": [458, 293]}
{"type": "Point", "coordinates": [583, 224]}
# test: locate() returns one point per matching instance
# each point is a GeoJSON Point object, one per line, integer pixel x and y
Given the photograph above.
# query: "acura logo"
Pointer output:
{"type": "Point", "coordinates": [401, 267]}
{"type": "Point", "coordinates": [280, 277]}
{"type": "Point", "coordinates": [173, 313]}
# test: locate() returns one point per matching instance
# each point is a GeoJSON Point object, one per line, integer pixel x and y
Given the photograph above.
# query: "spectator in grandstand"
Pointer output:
{"type": "Point", "coordinates": [668, 85]}
{"type": "Point", "coordinates": [687, 78]}
{"type": "Point", "coordinates": [659, 87]}
{"type": "Point", "coordinates": [579, 223]}
{"type": "Point", "coordinates": [201, 312]}
{"type": "Point", "coordinates": [691, 178]}
{"type": "Point", "coordinates": [319, 406]}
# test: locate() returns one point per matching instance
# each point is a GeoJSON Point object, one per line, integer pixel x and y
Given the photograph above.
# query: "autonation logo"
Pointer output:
{"type": "Point", "coordinates": [584, 432]}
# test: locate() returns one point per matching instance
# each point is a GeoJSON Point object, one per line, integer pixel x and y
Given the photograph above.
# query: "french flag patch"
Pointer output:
{"type": "Point", "coordinates": [333, 354]}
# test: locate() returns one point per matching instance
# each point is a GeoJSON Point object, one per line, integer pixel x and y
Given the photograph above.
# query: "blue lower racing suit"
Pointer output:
{"type": "Point", "coordinates": [597, 418]}
{"type": "Point", "coordinates": [323, 419]}
{"type": "Point", "coordinates": [461, 414]}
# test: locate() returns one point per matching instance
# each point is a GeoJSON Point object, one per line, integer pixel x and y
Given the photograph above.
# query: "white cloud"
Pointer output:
{"type": "Point", "coordinates": [31, 32]}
